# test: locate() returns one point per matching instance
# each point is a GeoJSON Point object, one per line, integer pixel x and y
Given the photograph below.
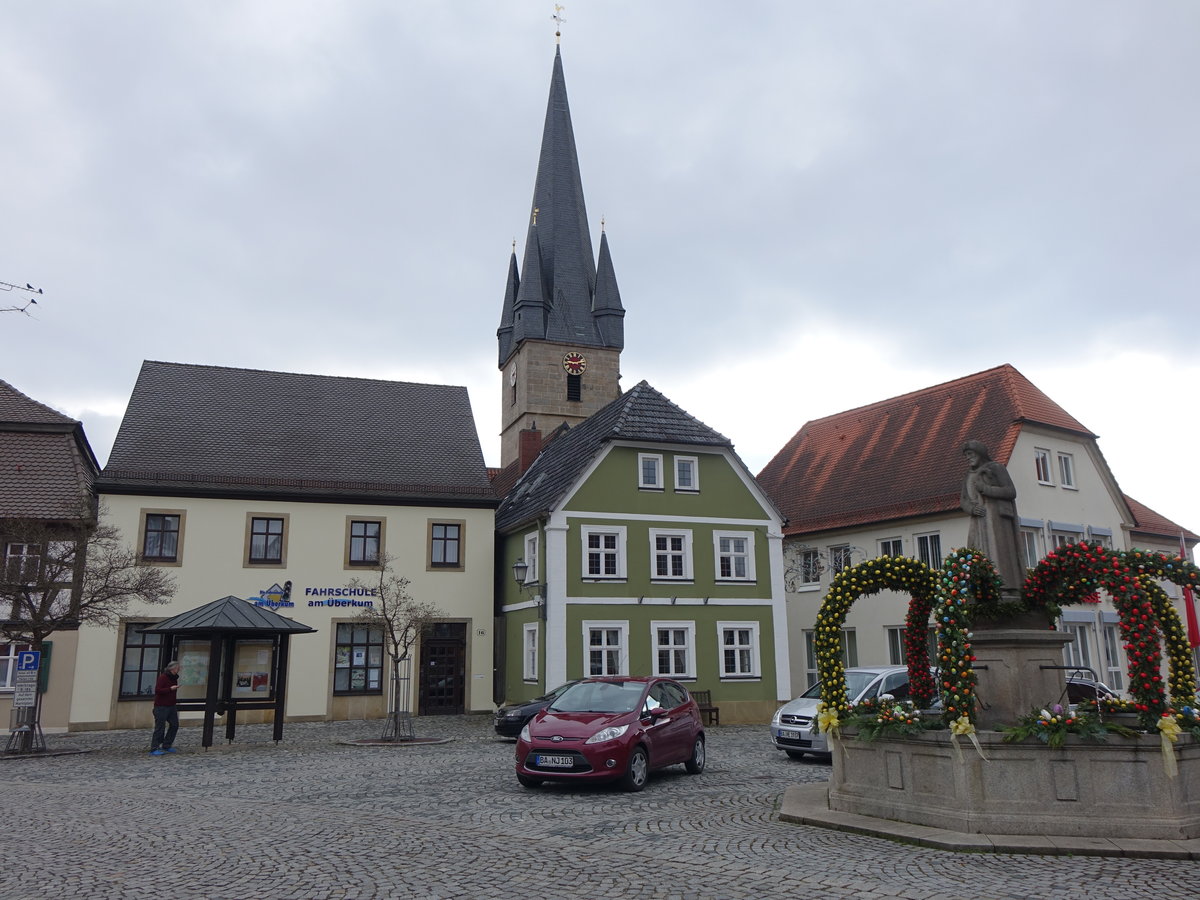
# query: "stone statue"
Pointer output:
{"type": "Point", "coordinates": [988, 495]}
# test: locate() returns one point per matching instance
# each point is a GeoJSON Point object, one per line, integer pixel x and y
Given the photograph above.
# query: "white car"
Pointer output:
{"type": "Point", "coordinates": [794, 726]}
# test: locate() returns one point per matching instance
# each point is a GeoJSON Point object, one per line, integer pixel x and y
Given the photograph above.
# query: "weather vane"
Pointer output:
{"type": "Point", "coordinates": [558, 20]}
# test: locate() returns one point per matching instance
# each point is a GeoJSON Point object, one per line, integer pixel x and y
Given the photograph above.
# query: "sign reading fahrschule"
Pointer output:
{"type": "Point", "coordinates": [341, 596]}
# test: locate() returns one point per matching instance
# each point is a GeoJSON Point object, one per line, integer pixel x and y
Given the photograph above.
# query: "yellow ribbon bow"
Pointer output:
{"type": "Point", "coordinates": [1168, 729]}
{"type": "Point", "coordinates": [962, 725]}
{"type": "Point", "coordinates": [827, 719]}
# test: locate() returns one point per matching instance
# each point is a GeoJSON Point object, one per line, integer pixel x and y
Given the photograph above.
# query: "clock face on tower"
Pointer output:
{"type": "Point", "coordinates": [575, 363]}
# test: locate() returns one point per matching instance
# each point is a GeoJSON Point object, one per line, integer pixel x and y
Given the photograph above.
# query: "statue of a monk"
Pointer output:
{"type": "Point", "coordinates": [988, 495]}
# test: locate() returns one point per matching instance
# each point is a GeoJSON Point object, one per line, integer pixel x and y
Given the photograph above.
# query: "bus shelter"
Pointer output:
{"type": "Point", "coordinates": [233, 655]}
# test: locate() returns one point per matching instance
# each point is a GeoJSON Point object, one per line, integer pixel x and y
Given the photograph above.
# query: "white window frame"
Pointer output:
{"type": "Point", "coordinates": [622, 647]}
{"type": "Point", "coordinates": [586, 531]}
{"type": "Point", "coordinates": [1114, 665]}
{"type": "Point", "coordinates": [810, 575]}
{"type": "Point", "coordinates": [849, 653]}
{"type": "Point", "coordinates": [1042, 467]}
{"type": "Point", "coordinates": [1079, 651]}
{"type": "Point", "coordinates": [748, 537]}
{"type": "Point", "coordinates": [531, 557]}
{"type": "Point", "coordinates": [1031, 546]}
{"type": "Point", "coordinates": [685, 552]}
{"type": "Point", "coordinates": [754, 647]}
{"type": "Point", "coordinates": [836, 562]}
{"type": "Point", "coordinates": [530, 650]}
{"type": "Point", "coordinates": [688, 647]}
{"type": "Point", "coordinates": [1060, 537]}
{"type": "Point", "coordinates": [694, 461]}
{"type": "Point", "coordinates": [892, 546]}
{"type": "Point", "coordinates": [922, 544]}
{"type": "Point", "coordinates": [1066, 471]}
{"type": "Point", "coordinates": [643, 484]}
{"type": "Point", "coordinates": [8, 662]}
{"type": "Point", "coordinates": [22, 562]}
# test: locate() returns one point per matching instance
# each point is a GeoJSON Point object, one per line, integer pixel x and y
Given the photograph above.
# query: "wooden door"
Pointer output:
{"type": "Point", "coordinates": [443, 669]}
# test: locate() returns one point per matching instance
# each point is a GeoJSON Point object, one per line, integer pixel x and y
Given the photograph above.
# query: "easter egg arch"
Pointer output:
{"type": "Point", "coordinates": [895, 573]}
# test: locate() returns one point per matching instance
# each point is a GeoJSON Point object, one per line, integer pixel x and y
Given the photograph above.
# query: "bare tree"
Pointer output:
{"type": "Point", "coordinates": [402, 618]}
{"type": "Point", "coordinates": [57, 576]}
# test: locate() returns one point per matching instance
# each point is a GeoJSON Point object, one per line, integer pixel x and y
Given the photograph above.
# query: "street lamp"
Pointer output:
{"type": "Point", "coordinates": [520, 570]}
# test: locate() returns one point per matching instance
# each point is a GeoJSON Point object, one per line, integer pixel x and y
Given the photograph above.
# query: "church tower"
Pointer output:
{"type": "Point", "coordinates": [561, 330]}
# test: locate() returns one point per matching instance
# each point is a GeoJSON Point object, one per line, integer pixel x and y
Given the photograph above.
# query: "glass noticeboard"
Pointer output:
{"type": "Point", "coordinates": [253, 663]}
{"type": "Point", "coordinates": [193, 669]}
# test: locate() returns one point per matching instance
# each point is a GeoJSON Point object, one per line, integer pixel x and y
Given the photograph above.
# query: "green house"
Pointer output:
{"type": "Point", "coordinates": [637, 542]}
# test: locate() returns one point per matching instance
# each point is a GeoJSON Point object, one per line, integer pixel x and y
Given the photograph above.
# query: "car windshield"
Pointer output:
{"type": "Point", "coordinates": [601, 696]}
{"type": "Point", "coordinates": [856, 683]}
{"type": "Point", "coordinates": [557, 692]}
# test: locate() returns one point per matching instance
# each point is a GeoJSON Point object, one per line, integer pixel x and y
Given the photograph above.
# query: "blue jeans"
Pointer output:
{"type": "Point", "coordinates": [166, 719]}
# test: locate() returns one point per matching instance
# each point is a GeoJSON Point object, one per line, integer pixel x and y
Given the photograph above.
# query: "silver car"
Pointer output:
{"type": "Point", "coordinates": [794, 726]}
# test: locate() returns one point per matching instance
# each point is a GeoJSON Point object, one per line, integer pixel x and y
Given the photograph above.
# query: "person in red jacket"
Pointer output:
{"type": "Point", "coordinates": [166, 716]}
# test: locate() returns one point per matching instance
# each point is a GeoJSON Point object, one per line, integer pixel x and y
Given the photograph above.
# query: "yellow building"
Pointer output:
{"type": "Point", "coordinates": [286, 490]}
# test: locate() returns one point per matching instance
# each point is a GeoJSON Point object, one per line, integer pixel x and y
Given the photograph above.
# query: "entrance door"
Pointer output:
{"type": "Point", "coordinates": [443, 669]}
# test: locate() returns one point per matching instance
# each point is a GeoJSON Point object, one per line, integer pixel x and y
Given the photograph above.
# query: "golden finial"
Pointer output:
{"type": "Point", "coordinates": [558, 20]}
{"type": "Point", "coordinates": [514, 245]}
{"type": "Point", "coordinates": [535, 212]}
{"type": "Point", "coordinates": [602, 224]}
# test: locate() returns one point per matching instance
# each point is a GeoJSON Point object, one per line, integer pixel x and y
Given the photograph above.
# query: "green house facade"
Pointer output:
{"type": "Point", "coordinates": [645, 548]}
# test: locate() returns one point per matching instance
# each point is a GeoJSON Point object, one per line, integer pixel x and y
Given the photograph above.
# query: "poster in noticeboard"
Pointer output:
{"type": "Point", "coordinates": [193, 669]}
{"type": "Point", "coordinates": [252, 668]}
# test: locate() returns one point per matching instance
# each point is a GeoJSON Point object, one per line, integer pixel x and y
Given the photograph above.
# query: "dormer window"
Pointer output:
{"type": "Point", "coordinates": [650, 471]}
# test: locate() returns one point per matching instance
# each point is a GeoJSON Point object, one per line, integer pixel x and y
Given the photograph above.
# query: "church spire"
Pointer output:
{"type": "Point", "coordinates": [555, 299]}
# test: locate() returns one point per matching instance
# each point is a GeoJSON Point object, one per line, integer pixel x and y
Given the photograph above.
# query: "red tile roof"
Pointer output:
{"type": "Point", "coordinates": [902, 457]}
{"type": "Point", "coordinates": [1154, 524]}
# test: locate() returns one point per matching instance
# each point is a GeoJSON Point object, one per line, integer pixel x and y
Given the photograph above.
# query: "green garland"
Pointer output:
{"type": "Point", "coordinates": [968, 580]}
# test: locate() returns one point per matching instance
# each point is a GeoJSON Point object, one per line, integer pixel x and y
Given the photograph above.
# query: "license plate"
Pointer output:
{"type": "Point", "coordinates": [556, 762]}
{"type": "Point", "coordinates": [789, 735]}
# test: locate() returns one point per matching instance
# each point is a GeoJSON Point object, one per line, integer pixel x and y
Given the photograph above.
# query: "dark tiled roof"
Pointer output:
{"type": "Point", "coordinates": [18, 408]}
{"type": "Point", "coordinates": [641, 414]}
{"type": "Point", "coordinates": [42, 476]}
{"type": "Point", "coordinates": [196, 428]}
{"type": "Point", "coordinates": [1150, 523]}
{"type": "Point", "coordinates": [902, 457]}
{"type": "Point", "coordinates": [230, 614]}
{"type": "Point", "coordinates": [46, 465]}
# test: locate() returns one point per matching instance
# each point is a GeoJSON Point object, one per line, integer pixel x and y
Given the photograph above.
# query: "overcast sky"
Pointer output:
{"type": "Point", "coordinates": [810, 205]}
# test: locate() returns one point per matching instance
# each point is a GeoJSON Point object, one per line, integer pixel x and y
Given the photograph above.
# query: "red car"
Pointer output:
{"type": "Point", "coordinates": [604, 729]}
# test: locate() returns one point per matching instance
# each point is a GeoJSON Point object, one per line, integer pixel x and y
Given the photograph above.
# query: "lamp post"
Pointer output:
{"type": "Point", "coordinates": [520, 570]}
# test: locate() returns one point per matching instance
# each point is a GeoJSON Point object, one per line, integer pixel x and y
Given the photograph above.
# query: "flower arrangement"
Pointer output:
{"type": "Point", "coordinates": [1188, 719]}
{"type": "Point", "coordinates": [885, 715]}
{"type": "Point", "coordinates": [1108, 706]}
{"type": "Point", "coordinates": [1051, 726]}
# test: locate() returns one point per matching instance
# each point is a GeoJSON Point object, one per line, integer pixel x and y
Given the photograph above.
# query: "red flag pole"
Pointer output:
{"type": "Point", "coordinates": [1189, 602]}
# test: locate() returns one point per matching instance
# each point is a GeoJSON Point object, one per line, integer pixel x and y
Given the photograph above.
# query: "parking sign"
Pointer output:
{"type": "Point", "coordinates": [29, 660]}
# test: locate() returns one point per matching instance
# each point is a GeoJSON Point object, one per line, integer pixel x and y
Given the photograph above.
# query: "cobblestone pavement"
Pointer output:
{"type": "Point", "coordinates": [315, 818]}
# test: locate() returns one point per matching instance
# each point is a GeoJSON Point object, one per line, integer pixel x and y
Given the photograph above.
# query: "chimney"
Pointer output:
{"type": "Point", "coordinates": [529, 447]}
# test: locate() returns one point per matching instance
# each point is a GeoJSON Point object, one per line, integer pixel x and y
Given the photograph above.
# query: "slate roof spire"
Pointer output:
{"type": "Point", "coordinates": [556, 296]}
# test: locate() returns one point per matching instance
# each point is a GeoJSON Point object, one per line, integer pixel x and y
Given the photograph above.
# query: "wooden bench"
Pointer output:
{"type": "Point", "coordinates": [710, 713]}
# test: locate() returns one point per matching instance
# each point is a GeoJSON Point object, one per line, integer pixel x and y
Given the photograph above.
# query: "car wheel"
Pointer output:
{"type": "Point", "coordinates": [528, 781]}
{"type": "Point", "coordinates": [795, 754]}
{"type": "Point", "coordinates": [695, 765]}
{"type": "Point", "coordinates": [639, 769]}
